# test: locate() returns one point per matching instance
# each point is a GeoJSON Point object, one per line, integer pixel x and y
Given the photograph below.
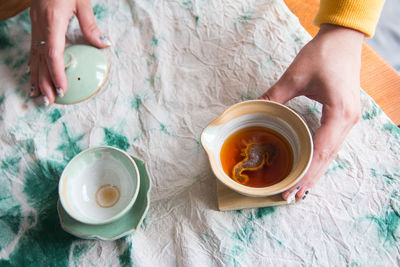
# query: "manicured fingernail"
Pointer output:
{"type": "Point", "coordinates": [105, 40]}
{"type": "Point", "coordinates": [32, 90]}
{"type": "Point", "coordinates": [59, 91]}
{"type": "Point", "coordinates": [306, 192]}
{"type": "Point", "coordinates": [291, 198]}
{"type": "Point", "coordinates": [46, 101]}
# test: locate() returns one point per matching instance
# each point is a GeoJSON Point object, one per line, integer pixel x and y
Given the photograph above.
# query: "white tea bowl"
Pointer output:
{"type": "Point", "coordinates": [268, 114]}
{"type": "Point", "coordinates": [99, 185]}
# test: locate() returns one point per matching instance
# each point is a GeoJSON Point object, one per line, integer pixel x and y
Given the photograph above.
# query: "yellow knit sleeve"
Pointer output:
{"type": "Point", "coordinates": [361, 15]}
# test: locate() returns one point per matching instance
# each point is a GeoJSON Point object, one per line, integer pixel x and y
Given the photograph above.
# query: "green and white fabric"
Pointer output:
{"type": "Point", "coordinates": [175, 66]}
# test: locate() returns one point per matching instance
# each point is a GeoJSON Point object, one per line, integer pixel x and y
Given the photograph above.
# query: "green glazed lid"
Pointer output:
{"type": "Point", "coordinates": [86, 69]}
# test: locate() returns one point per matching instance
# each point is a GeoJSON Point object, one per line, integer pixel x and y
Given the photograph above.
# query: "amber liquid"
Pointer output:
{"type": "Point", "coordinates": [267, 175]}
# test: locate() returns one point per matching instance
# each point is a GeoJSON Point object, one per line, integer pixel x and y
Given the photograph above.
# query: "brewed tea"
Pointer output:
{"type": "Point", "coordinates": [256, 156]}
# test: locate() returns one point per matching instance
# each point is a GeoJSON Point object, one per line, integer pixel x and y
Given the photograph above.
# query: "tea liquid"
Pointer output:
{"type": "Point", "coordinates": [267, 175]}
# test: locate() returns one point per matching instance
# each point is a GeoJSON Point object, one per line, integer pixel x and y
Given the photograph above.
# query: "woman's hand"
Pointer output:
{"type": "Point", "coordinates": [49, 24]}
{"type": "Point", "coordinates": [327, 70]}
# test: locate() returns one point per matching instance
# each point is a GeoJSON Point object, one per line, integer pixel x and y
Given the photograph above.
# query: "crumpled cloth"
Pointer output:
{"type": "Point", "coordinates": [175, 66]}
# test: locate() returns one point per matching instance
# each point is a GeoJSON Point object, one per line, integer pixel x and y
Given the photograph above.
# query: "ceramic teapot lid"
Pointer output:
{"type": "Point", "coordinates": [86, 69]}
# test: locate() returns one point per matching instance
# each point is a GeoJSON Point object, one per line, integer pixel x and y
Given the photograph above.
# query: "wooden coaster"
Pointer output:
{"type": "Point", "coordinates": [231, 200]}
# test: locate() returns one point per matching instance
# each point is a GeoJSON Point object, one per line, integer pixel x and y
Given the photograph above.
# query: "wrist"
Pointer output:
{"type": "Point", "coordinates": [341, 32]}
{"type": "Point", "coordinates": [341, 37]}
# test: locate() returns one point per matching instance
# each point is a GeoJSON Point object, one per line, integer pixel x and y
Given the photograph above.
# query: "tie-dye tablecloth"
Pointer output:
{"type": "Point", "coordinates": [176, 65]}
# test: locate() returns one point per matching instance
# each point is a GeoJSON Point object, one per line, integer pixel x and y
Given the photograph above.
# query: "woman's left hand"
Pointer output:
{"type": "Point", "coordinates": [50, 20]}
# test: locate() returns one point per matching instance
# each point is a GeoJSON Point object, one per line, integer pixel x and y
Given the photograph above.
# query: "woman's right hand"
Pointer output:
{"type": "Point", "coordinates": [50, 20]}
{"type": "Point", "coordinates": [326, 70]}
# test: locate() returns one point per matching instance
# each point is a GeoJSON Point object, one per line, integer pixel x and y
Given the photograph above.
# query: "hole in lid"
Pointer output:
{"type": "Point", "coordinates": [79, 78]}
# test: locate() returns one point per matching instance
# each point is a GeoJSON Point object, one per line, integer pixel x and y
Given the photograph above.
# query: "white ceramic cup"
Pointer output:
{"type": "Point", "coordinates": [267, 114]}
{"type": "Point", "coordinates": [99, 185]}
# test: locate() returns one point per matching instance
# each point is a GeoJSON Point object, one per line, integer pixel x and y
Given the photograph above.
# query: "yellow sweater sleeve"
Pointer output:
{"type": "Point", "coordinates": [361, 15]}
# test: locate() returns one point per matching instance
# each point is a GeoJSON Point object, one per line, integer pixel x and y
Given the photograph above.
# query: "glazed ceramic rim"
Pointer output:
{"type": "Point", "coordinates": [100, 86]}
{"type": "Point", "coordinates": [99, 237]}
{"type": "Point", "coordinates": [299, 127]}
{"type": "Point", "coordinates": [118, 215]}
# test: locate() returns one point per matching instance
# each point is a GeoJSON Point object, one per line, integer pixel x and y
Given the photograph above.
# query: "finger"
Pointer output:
{"type": "Point", "coordinates": [34, 67]}
{"type": "Point", "coordinates": [34, 59]}
{"type": "Point", "coordinates": [306, 192]}
{"type": "Point", "coordinates": [88, 25]}
{"type": "Point", "coordinates": [45, 83]}
{"type": "Point", "coordinates": [290, 192]}
{"type": "Point", "coordinates": [55, 44]}
{"type": "Point", "coordinates": [328, 139]}
{"type": "Point", "coordinates": [282, 91]}
{"type": "Point", "coordinates": [302, 193]}
{"type": "Point", "coordinates": [297, 191]}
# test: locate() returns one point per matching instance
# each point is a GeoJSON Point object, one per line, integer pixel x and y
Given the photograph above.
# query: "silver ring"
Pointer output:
{"type": "Point", "coordinates": [39, 42]}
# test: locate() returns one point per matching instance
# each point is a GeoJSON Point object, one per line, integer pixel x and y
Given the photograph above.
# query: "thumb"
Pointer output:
{"type": "Point", "coordinates": [279, 92]}
{"type": "Point", "coordinates": [85, 15]}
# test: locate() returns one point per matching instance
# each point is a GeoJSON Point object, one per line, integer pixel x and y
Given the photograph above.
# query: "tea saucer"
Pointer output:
{"type": "Point", "coordinates": [125, 225]}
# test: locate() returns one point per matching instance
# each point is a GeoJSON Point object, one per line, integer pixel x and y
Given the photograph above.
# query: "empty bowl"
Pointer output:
{"type": "Point", "coordinates": [99, 185]}
{"type": "Point", "coordinates": [267, 114]}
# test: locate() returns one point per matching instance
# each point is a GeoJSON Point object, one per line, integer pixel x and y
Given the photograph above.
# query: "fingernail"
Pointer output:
{"type": "Point", "coordinates": [290, 199]}
{"type": "Point", "coordinates": [292, 196]}
{"type": "Point", "coordinates": [105, 40]}
{"type": "Point", "coordinates": [59, 91]}
{"type": "Point", "coordinates": [46, 101]}
{"type": "Point", "coordinates": [32, 90]}
{"type": "Point", "coordinates": [306, 192]}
